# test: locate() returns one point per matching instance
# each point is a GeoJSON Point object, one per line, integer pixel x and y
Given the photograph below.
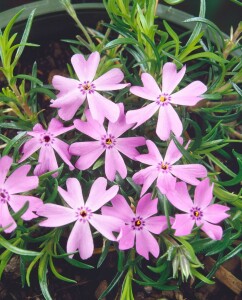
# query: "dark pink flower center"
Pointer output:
{"type": "Point", "coordinates": [86, 87]}
{"type": "Point", "coordinates": [4, 196]}
{"type": "Point", "coordinates": [83, 214]}
{"type": "Point", "coordinates": [46, 138]}
{"type": "Point", "coordinates": [196, 213]}
{"type": "Point", "coordinates": [163, 99]}
{"type": "Point", "coordinates": [164, 167]}
{"type": "Point", "coordinates": [108, 141]}
{"type": "Point", "coordinates": [137, 223]}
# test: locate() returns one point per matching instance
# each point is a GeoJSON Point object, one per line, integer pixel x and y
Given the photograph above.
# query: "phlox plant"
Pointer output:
{"type": "Point", "coordinates": [134, 152]}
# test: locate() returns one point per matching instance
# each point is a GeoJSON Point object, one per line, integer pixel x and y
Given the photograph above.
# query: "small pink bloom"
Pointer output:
{"type": "Point", "coordinates": [106, 141]}
{"type": "Point", "coordinates": [138, 225]}
{"type": "Point", "coordinates": [74, 92]}
{"type": "Point", "coordinates": [82, 214]}
{"type": "Point", "coordinates": [46, 141]}
{"type": "Point", "coordinates": [17, 182]}
{"type": "Point", "coordinates": [162, 100]}
{"type": "Point", "coordinates": [164, 170]}
{"type": "Point", "coordinates": [199, 212]}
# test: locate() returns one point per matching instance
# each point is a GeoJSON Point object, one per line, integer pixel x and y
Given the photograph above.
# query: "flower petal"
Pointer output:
{"type": "Point", "coordinates": [145, 243]}
{"type": "Point", "coordinates": [6, 219]}
{"type": "Point", "coordinates": [62, 149]}
{"type": "Point", "coordinates": [190, 95]}
{"type": "Point", "coordinates": [141, 115]}
{"type": "Point", "coordinates": [203, 193]}
{"type": "Point", "coordinates": [29, 148]}
{"type": "Point", "coordinates": [189, 173]}
{"type": "Point", "coordinates": [18, 201]}
{"type": "Point", "coordinates": [19, 182]}
{"type": "Point", "coordinates": [47, 161]}
{"type": "Point", "coordinates": [5, 164]}
{"type": "Point", "coordinates": [127, 145]}
{"type": "Point", "coordinates": [170, 77]}
{"type": "Point", "coordinates": [101, 107]}
{"type": "Point", "coordinates": [150, 91]}
{"type": "Point", "coordinates": [110, 80]}
{"type": "Point", "coordinates": [172, 152]}
{"type": "Point", "coordinates": [120, 209]}
{"type": "Point", "coordinates": [106, 225]}
{"type": "Point", "coordinates": [146, 207]}
{"type": "Point", "coordinates": [126, 238]}
{"type": "Point", "coordinates": [80, 238]}
{"type": "Point", "coordinates": [156, 224]}
{"type": "Point", "coordinates": [166, 182]}
{"type": "Point", "coordinates": [57, 215]}
{"type": "Point", "coordinates": [168, 120]}
{"type": "Point", "coordinates": [180, 198]}
{"type": "Point", "coordinates": [92, 65]}
{"type": "Point", "coordinates": [57, 128]}
{"type": "Point", "coordinates": [215, 232]}
{"type": "Point", "coordinates": [153, 157]}
{"type": "Point", "coordinates": [146, 177]}
{"type": "Point", "coordinates": [80, 66]}
{"type": "Point", "coordinates": [215, 213]}
{"type": "Point", "coordinates": [98, 195]}
{"type": "Point", "coordinates": [114, 163]}
{"type": "Point", "coordinates": [183, 224]}
{"type": "Point", "coordinates": [64, 84]}
{"type": "Point", "coordinates": [73, 196]}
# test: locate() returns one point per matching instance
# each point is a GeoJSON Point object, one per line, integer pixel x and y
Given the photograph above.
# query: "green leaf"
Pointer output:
{"type": "Point", "coordinates": [120, 41]}
{"type": "Point", "coordinates": [231, 254]}
{"type": "Point", "coordinates": [174, 36]}
{"type": "Point", "coordinates": [12, 142]}
{"type": "Point", "coordinates": [220, 164]}
{"type": "Point", "coordinates": [28, 77]}
{"type": "Point", "coordinates": [42, 276]}
{"type": "Point", "coordinates": [43, 90]}
{"type": "Point", "coordinates": [127, 292]}
{"type": "Point", "coordinates": [57, 274]}
{"type": "Point", "coordinates": [104, 253]}
{"type": "Point", "coordinates": [209, 55]}
{"type": "Point", "coordinates": [201, 276]}
{"type": "Point", "coordinates": [237, 179]}
{"type": "Point", "coordinates": [113, 283]}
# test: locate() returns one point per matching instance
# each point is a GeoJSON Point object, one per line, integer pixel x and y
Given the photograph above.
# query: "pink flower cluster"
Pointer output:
{"type": "Point", "coordinates": [130, 227]}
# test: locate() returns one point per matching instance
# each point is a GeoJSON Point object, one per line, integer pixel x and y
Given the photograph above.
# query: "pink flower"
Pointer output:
{"type": "Point", "coordinates": [164, 170]}
{"type": "Point", "coordinates": [168, 119]}
{"type": "Point", "coordinates": [46, 141]}
{"type": "Point", "coordinates": [82, 214]}
{"type": "Point", "coordinates": [17, 182]}
{"type": "Point", "coordinates": [106, 141]}
{"type": "Point", "coordinates": [74, 92]}
{"type": "Point", "coordinates": [199, 212]}
{"type": "Point", "coordinates": [138, 225]}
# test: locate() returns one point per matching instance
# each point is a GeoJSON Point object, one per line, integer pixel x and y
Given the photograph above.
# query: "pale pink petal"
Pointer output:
{"type": "Point", "coordinates": [170, 77]}
{"type": "Point", "coordinates": [146, 243]}
{"type": "Point", "coordinates": [165, 182]}
{"type": "Point", "coordinates": [114, 163]}
{"type": "Point", "coordinates": [190, 95]}
{"type": "Point", "coordinates": [127, 145]}
{"type": "Point", "coordinates": [172, 152]}
{"type": "Point", "coordinates": [29, 148]}
{"type": "Point", "coordinates": [62, 149]}
{"type": "Point", "coordinates": [19, 182]}
{"type": "Point", "coordinates": [126, 238]}
{"type": "Point", "coordinates": [110, 81]}
{"type": "Point", "coordinates": [89, 151]}
{"type": "Point", "coordinates": [183, 224]}
{"type": "Point", "coordinates": [5, 164]}
{"type": "Point", "coordinates": [120, 126]}
{"type": "Point", "coordinates": [6, 219]}
{"type": "Point", "coordinates": [101, 107]}
{"type": "Point", "coordinates": [57, 215]}
{"type": "Point", "coordinates": [189, 173]}
{"type": "Point", "coordinates": [141, 115]}
{"type": "Point", "coordinates": [156, 224]}
{"type": "Point", "coordinates": [47, 161]}
{"type": "Point", "coordinates": [98, 195]}
{"type": "Point", "coordinates": [80, 238]}
{"type": "Point", "coordinates": [38, 128]}
{"type": "Point", "coordinates": [180, 198]}
{"type": "Point", "coordinates": [92, 65]}
{"type": "Point", "coordinates": [120, 209]}
{"type": "Point", "coordinates": [146, 207]}
{"type": "Point", "coordinates": [68, 104]}
{"type": "Point", "coordinates": [63, 84]}
{"type": "Point", "coordinates": [146, 177]}
{"type": "Point", "coordinates": [18, 201]}
{"type": "Point", "coordinates": [168, 120]}
{"type": "Point", "coordinates": [150, 91]}
{"type": "Point", "coordinates": [57, 128]}
{"type": "Point", "coordinates": [75, 191]}
{"type": "Point", "coordinates": [153, 157]}
{"type": "Point", "coordinates": [106, 225]}
{"type": "Point", "coordinates": [215, 232]}
{"type": "Point", "coordinates": [203, 193]}
{"type": "Point", "coordinates": [80, 66]}
{"type": "Point", "coordinates": [215, 213]}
